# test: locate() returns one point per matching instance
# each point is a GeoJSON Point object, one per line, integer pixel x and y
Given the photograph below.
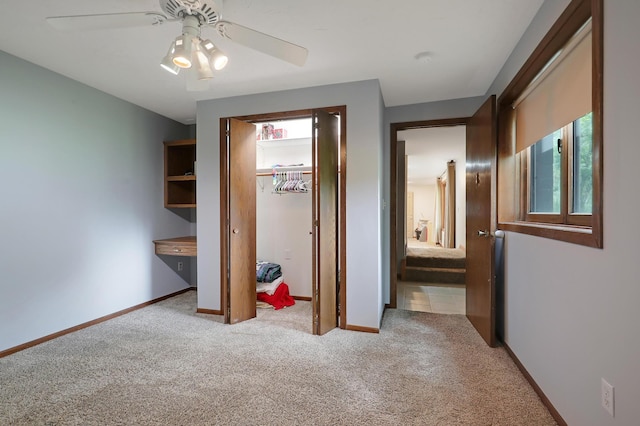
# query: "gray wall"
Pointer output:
{"type": "Point", "coordinates": [572, 312]}
{"type": "Point", "coordinates": [81, 201]}
{"type": "Point", "coordinates": [364, 177]}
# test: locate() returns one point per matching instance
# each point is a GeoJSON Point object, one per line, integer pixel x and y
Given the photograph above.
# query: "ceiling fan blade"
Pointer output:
{"type": "Point", "coordinates": [262, 42]}
{"type": "Point", "coordinates": [106, 21]}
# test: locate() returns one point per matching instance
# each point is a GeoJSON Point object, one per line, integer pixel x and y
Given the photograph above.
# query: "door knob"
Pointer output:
{"type": "Point", "coordinates": [498, 234]}
{"type": "Point", "coordinates": [236, 230]}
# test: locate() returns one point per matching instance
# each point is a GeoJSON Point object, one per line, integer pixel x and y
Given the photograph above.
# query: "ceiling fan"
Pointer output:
{"type": "Point", "coordinates": [189, 48]}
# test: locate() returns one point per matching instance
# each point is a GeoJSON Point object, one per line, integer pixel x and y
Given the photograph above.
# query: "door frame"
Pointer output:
{"type": "Point", "coordinates": [393, 186]}
{"type": "Point", "coordinates": [341, 110]}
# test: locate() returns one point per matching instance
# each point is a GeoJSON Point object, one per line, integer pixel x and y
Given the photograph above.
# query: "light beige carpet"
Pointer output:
{"type": "Point", "coordinates": [436, 252]}
{"type": "Point", "coordinates": [166, 365]}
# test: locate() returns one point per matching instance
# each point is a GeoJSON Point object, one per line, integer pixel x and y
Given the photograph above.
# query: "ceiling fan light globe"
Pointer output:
{"type": "Point", "coordinates": [167, 61]}
{"type": "Point", "coordinates": [202, 65]}
{"type": "Point", "coordinates": [171, 67]}
{"type": "Point", "coordinates": [182, 51]}
{"type": "Point", "coordinates": [205, 74]}
{"type": "Point", "coordinates": [207, 46]}
{"type": "Point", "coordinates": [182, 62]}
{"type": "Point", "coordinates": [219, 60]}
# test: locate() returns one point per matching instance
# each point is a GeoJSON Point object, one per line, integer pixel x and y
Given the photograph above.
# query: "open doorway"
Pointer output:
{"type": "Point", "coordinates": [430, 217]}
{"type": "Point", "coordinates": [435, 187]}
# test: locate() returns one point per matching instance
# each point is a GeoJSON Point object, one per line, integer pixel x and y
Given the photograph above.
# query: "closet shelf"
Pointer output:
{"type": "Point", "coordinates": [284, 142]}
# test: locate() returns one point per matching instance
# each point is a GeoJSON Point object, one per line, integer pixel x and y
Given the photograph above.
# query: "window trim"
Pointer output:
{"type": "Point", "coordinates": [510, 171]}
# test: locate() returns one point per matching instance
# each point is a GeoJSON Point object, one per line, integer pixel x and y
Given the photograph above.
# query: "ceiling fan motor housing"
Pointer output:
{"type": "Point", "coordinates": [207, 11]}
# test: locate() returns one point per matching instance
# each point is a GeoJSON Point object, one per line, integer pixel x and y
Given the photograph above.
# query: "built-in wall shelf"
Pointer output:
{"type": "Point", "coordinates": [180, 173]}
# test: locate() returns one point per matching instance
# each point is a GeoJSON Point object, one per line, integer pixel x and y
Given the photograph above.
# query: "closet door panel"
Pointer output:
{"type": "Point", "coordinates": [242, 221]}
{"type": "Point", "coordinates": [325, 215]}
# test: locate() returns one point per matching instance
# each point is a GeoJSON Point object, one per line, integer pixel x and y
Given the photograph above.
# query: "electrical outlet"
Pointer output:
{"type": "Point", "coordinates": [287, 254]}
{"type": "Point", "coordinates": [180, 266]}
{"type": "Point", "coordinates": [607, 396]}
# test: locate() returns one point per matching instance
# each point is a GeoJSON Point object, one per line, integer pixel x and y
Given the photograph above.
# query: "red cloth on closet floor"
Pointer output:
{"type": "Point", "coordinates": [280, 297]}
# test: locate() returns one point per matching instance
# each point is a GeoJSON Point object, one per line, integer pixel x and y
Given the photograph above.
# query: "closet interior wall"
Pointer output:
{"type": "Point", "coordinates": [283, 218]}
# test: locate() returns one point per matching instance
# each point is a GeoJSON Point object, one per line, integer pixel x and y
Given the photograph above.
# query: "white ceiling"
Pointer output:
{"type": "Point", "coordinates": [430, 149]}
{"type": "Point", "coordinates": [353, 40]}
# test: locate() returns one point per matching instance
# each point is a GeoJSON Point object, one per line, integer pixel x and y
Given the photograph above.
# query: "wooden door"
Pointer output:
{"type": "Point", "coordinates": [481, 220]}
{"type": "Point", "coordinates": [450, 220]}
{"type": "Point", "coordinates": [401, 205]}
{"type": "Point", "coordinates": [325, 221]}
{"type": "Point", "coordinates": [239, 227]}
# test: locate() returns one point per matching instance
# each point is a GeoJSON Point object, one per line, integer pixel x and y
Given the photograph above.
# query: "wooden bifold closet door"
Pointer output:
{"type": "Point", "coordinates": [240, 228]}
{"type": "Point", "coordinates": [325, 220]}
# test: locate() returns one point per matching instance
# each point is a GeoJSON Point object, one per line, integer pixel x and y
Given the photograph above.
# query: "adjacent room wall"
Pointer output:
{"type": "Point", "coordinates": [82, 200]}
{"type": "Point", "coordinates": [284, 219]}
{"type": "Point", "coordinates": [571, 314]}
{"type": "Point", "coordinates": [283, 225]}
{"type": "Point", "coordinates": [423, 207]}
{"type": "Point", "coordinates": [364, 177]}
{"type": "Point", "coordinates": [461, 201]}
{"type": "Point", "coordinates": [424, 204]}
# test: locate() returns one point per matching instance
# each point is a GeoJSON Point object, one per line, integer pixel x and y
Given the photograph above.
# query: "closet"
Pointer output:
{"type": "Point", "coordinates": [279, 169]}
{"type": "Point", "coordinates": [284, 202]}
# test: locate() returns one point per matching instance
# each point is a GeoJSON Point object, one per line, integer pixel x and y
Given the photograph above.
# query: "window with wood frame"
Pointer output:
{"type": "Point", "coordinates": [550, 134]}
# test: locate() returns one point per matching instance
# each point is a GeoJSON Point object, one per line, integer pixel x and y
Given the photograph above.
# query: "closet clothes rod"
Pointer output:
{"type": "Point", "coordinates": [271, 174]}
